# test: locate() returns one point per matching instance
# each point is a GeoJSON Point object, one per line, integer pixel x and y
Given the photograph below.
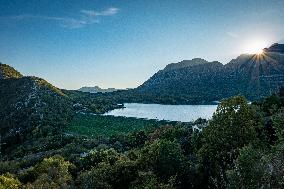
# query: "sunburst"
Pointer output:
{"type": "Point", "coordinates": [255, 47]}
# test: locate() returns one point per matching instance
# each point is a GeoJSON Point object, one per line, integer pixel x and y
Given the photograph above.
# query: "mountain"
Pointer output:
{"type": "Point", "coordinates": [33, 109]}
{"type": "Point", "coordinates": [199, 81]}
{"type": "Point", "coordinates": [277, 48]}
{"type": "Point", "coordinates": [7, 71]}
{"type": "Point", "coordinates": [97, 89]}
{"type": "Point", "coordinates": [30, 108]}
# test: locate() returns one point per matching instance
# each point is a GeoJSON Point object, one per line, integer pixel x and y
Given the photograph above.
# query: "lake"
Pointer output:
{"type": "Point", "coordinates": [184, 113]}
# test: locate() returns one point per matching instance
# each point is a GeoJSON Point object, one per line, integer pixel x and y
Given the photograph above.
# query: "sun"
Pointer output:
{"type": "Point", "coordinates": [257, 51]}
{"type": "Point", "coordinates": [256, 47]}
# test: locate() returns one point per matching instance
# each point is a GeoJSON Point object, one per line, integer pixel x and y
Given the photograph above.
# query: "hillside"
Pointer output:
{"type": "Point", "coordinates": [277, 48]}
{"type": "Point", "coordinates": [7, 71]}
{"type": "Point", "coordinates": [198, 81]}
{"type": "Point", "coordinates": [118, 152]}
{"type": "Point", "coordinates": [31, 108]}
{"type": "Point", "coordinates": [183, 79]}
{"type": "Point", "coordinates": [43, 144]}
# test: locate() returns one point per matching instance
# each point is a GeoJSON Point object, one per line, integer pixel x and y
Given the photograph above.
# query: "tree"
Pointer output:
{"type": "Point", "coordinates": [251, 170]}
{"type": "Point", "coordinates": [7, 181]}
{"type": "Point", "coordinates": [233, 126]}
{"type": "Point", "coordinates": [148, 180]}
{"type": "Point", "coordinates": [52, 172]}
{"type": "Point", "coordinates": [95, 157]}
{"type": "Point", "coordinates": [278, 123]}
{"type": "Point", "coordinates": [106, 175]}
{"type": "Point", "coordinates": [164, 157]}
{"type": "Point", "coordinates": [255, 168]}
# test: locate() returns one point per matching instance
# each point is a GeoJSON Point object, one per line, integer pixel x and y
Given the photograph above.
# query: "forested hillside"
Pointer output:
{"type": "Point", "coordinates": [30, 108]}
{"type": "Point", "coordinates": [240, 147]}
{"type": "Point", "coordinates": [33, 109]}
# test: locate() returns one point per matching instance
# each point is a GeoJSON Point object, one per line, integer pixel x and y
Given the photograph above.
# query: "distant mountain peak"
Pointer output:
{"type": "Point", "coordinates": [187, 63]}
{"type": "Point", "coordinates": [97, 89]}
{"type": "Point", "coordinates": [7, 72]}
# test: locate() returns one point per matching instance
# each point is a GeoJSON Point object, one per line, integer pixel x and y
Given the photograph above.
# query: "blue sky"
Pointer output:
{"type": "Point", "coordinates": [120, 44]}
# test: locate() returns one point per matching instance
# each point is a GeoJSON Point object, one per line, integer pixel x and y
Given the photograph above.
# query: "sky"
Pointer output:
{"type": "Point", "coordinates": [121, 44]}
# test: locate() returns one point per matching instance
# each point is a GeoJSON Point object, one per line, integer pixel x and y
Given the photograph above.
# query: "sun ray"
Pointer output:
{"type": "Point", "coordinates": [255, 47]}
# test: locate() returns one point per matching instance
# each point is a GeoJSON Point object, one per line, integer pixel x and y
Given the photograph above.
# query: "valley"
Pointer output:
{"type": "Point", "coordinates": [162, 134]}
{"type": "Point", "coordinates": [163, 94]}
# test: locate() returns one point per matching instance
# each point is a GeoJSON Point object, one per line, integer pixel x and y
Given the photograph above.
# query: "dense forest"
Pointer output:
{"type": "Point", "coordinates": [240, 147]}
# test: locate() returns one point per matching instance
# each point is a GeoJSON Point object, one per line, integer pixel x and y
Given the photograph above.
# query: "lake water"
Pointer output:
{"type": "Point", "coordinates": [184, 113]}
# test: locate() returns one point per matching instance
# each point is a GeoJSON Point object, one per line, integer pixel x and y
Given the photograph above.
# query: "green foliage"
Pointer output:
{"type": "Point", "coordinates": [89, 102]}
{"type": "Point", "coordinates": [255, 168]}
{"type": "Point", "coordinates": [233, 126]}
{"type": "Point", "coordinates": [31, 109]}
{"type": "Point", "coordinates": [276, 165]}
{"type": "Point", "coordinates": [8, 181]}
{"type": "Point", "coordinates": [109, 156]}
{"type": "Point", "coordinates": [251, 170]}
{"type": "Point", "coordinates": [9, 166]}
{"type": "Point", "coordinates": [271, 104]}
{"type": "Point", "coordinates": [52, 172]}
{"type": "Point", "coordinates": [96, 125]}
{"type": "Point", "coordinates": [137, 139]}
{"type": "Point", "coordinates": [109, 173]}
{"type": "Point", "coordinates": [147, 180]}
{"type": "Point", "coordinates": [164, 157]}
{"type": "Point", "coordinates": [278, 123]}
{"type": "Point", "coordinates": [231, 150]}
{"type": "Point", "coordinates": [179, 133]}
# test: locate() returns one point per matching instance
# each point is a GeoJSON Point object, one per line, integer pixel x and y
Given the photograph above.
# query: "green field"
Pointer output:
{"type": "Point", "coordinates": [98, 125]}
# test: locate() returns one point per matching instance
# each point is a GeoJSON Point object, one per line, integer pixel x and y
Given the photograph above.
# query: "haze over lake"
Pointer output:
{"type": "Point", "coordinates": [184, 113]}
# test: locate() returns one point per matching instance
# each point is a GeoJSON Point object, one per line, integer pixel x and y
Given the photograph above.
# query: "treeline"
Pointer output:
{"type": "Point", "coordinates": [152, 97]}
{"type": "Point", "coordinates": [91, 103]}
{"type": "Point", "coordinates": [240, 147]}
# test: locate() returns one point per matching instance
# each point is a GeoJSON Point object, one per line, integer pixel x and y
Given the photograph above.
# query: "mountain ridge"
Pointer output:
{"type": "Point", "coordinates": [252, 75]}
{"type": "Point", "coordinates": [97, 89]}
{"type": "Point", "coordinates": [7, 71]}
{"type": "Point", "coordinates": [187, 63]}
{"type": "Point", "coordinates": [276, 47]}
